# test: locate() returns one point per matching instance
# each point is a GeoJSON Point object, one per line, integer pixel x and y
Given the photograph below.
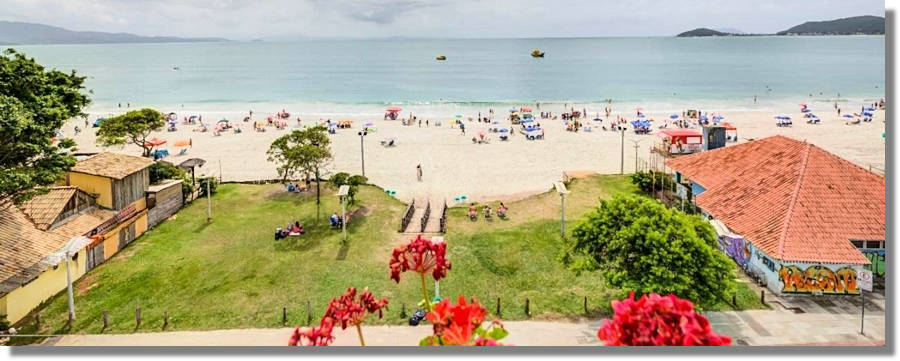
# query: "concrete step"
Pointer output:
{"type": "Point", "coordinates": [415, 224]}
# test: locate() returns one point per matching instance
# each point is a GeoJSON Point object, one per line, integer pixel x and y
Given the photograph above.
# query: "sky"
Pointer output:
{"type": "Point", "coordinates": [284, 19]}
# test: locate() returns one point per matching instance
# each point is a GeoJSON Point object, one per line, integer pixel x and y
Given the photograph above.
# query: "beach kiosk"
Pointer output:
{"type": "Point", "coordinates": [674, 142]}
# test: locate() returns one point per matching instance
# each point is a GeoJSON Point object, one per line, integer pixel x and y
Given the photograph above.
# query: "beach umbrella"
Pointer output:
{"type": "Point", "coordinates": [868, 113]}
{"type": "Point", "coordinates": [782, 116]}
{"type": "Point", "coordinates": [869, 109]}
{"type": "Point", "coordinates": [527, 116]}
{"type": "Point", "coordinates": [481, 133]}
{"type": "Point", "coordinates": [527, 120]}
{"type": "Point", "coordinates": [703, 117]}
{"type": "Point", "coordinates": [394, 109]}
{"type": "Point", "coordinates": [526, 109]}
{"type": "Point", "coordinates": [504, 130]}
{"type": "Point", "coordinates": [458, 116]}
{"type": "Point", "coordinates": [848, 115]}
{"type": "Point", "coordinates": [802, 104]}
{"type": "Point", "coordinates": [154, 142]}
{"type": "Point", "coordinates": [223, 121]}
{"type": "Point", "coordinates": [718, 117]}
{"type": "Point", "coordinates": [369, 124]}
{"type": "Point", "coordinates": [639, 108]}
{"type": "Point", "coordinates": [598, 120]}
{"type": "Point", "coordinates": [495, 122]}
{"type": "Point", "coordinates": [673, 116]}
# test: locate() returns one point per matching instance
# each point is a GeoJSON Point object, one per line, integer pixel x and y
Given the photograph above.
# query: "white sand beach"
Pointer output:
{"type": "Point", "coordinates": [453, 165]}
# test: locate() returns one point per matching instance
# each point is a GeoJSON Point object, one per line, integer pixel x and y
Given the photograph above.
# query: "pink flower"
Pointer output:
{"type": "Point", "coordinates": [654, 320]}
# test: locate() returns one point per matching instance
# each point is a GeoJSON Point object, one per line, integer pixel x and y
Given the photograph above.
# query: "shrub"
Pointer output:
{"type": "Point", "coordinates": [202, 185]}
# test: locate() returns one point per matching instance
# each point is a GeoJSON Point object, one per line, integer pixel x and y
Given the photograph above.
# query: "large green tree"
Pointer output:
{"type": "Point", "coordinates": [638, 244]}
{"type": "Point", "coordinates": [133, 127]}
{"type": "Point", "coordinates": [303, 151]}
{"type": "Point", "coordinates": [34, 105]}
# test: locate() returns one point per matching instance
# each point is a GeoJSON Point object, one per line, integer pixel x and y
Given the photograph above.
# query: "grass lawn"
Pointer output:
{"type": "Point", "coordinates": [231, 274]}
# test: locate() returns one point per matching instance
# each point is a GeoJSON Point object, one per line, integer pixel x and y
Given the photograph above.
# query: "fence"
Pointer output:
{"type": "Point", "coordinates": [444, 218]}
{"type": "Point", "coordinates": [407, 217]}
{"type": "Point", "coordinates": [425, 216]}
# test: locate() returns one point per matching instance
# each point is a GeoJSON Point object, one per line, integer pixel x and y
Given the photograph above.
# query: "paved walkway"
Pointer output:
{"type": "Point", "coordinates": [756, 328]}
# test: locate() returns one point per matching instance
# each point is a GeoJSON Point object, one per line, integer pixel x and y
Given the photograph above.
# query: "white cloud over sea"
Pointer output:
{"type": "Point", "coordinates": [250, 19]}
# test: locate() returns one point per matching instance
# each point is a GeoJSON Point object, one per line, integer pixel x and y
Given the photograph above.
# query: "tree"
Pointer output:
{"type": "Point", "coordinates": [163, 170]}
{"type": "Point", "coordinates": [34, 104]}
{"type": "Point", "coordinates": [642, 246]}
{"type": "Point", "coordinates": [301, 151]}
{"type": "Point", "coordinates": [354, 181]}
{"type": "Point", "coordinates": [133, 127]}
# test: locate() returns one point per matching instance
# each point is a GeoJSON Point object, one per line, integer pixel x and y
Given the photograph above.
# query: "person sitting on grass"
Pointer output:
{"type": "Point", "coordinates": [473, 212]}
{"type": "Point", "coordinates": [501, 210]}
{"type": "Point", "coordinates": [297, 229]}
{"type": "Point", "coordinates": [335, 220]}
{"type": "Point", "coordinates": [487, 211]}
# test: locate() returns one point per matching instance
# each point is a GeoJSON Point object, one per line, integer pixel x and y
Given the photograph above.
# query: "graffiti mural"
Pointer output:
{"type": "Point", "coordinates": [818, 279]}
{"type": "Point", "coordinates": [876, 257]}
{"type": "Point", "coordinates": [736, 248]}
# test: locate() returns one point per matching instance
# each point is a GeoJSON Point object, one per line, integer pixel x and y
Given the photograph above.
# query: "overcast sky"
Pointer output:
{"type": "Point", "coordinates": [250, 19]}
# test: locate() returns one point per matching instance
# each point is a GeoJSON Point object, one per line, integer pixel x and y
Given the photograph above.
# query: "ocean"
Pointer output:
{"type": "Point", "coordinates": [364, 76]}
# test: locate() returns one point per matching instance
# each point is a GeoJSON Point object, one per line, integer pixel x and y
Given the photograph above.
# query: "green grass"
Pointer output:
{"type": "Point", "coordinates": [231, 274]}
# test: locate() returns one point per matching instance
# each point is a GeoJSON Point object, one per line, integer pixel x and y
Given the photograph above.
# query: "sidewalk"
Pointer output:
{"type": "Point", "coordinates": [754, 328]}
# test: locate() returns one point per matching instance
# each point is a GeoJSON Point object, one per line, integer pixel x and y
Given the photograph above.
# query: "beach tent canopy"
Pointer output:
{"type": "Point", "coordinates": [683, 135]}
{"type": "Point", "coordinates": [528, 120]}
{"type": "Point", "coordinates": [869, 109]}
{"type": "Point", "coordinates": [503, 130]}
{"type": "Point", "coordinates": [394, 109]}
{"type": "Point", "coordinates": [513, 110]}
{"type": "Point", "coordinates": [673, 116]}
{"type": "Point", "coordinates": [526, 109]}
{"type": "Point", "coordinates": [782, 117]}
{"type": "Point", "coordinates": [183, 143]}
{"type": "Point", "coordinates": [223, 121]}
{"type": "Point", "coordinates": [154, 142]}
{"type": "Point", "coordinates": [848, 115]}
{"type": "Point", "coordinates": [527, 116]}
{"type": "Point", "coordinates": [868, 113]}
{"type": "Point", "coordinates": [728, 126]}
{"type": "Point", "coordinates": [458, 116]}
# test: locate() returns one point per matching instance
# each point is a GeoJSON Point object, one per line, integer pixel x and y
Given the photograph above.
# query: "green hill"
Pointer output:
{"type": "Point", "coordinates": [870, 25]}
{"type": "Point", "coordinates": [698, 32]}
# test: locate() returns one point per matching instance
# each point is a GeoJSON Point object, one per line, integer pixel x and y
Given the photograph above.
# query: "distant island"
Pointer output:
{"type": "Point", "coordinates": [868, 25]}
{"type": "Point", "coordinates": [19, 33]}
{"type": "Point", "coordinates": [857, 25]}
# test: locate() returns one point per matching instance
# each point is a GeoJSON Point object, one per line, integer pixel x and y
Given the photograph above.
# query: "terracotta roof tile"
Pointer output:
{"type": "Point", "coordinates": [112, 165]}
{"type": "Point", "coordinates": [793, 200]}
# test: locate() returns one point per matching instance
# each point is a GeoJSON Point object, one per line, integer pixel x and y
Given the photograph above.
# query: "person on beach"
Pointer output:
{"type": "Point", "coordinates": [120, 105]}
{"type": "Point", "coordinates": [426, 123]}
{"type": "Point", "coordinates": [419, 172]}
{"type": "Point", "coordinates": [754, 99]}
{"type": "Point", "coordinates": [420, 123]}
{"type": "Point", "coordinates": [839, 111]}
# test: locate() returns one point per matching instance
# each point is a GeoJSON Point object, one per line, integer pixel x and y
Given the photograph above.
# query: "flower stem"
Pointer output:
{"type": "Point", "coordinates": [359, 331]}
{"type": "Point", "coordinates": [425, 292]}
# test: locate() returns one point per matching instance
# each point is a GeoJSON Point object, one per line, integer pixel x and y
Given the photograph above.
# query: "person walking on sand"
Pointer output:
{"type": "Point", "coordinates": [420, 123]}
{"type": "Point", "coordinates": [419, 172]}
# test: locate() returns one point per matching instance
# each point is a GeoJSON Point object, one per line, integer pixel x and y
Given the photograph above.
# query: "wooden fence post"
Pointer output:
{"type": "Point", "coordinates": [165, 319]}
{"type": "Point", "coordinates": [498, 306]}
{"type": "Point", "coordinates": [762, 296]}
{"type": "Point", "coordinates": [37, 322]}
{"type": "Point", "coordinates": [308, 313]}
{"type": "Point", "coordinates": [585, 305]}
{"type": "Point", "coordinates": [284, 315]}
{"type": "Point", "coordinates": [105, 320]}
{"type": "Point", "coordinates": [137, 318]}
{"type": "Point", "coordinates": [734, 300]}
{"type": "Point", "coordinates": [527, 307]}
{"type": "Point", "coordinates": [403, 310]}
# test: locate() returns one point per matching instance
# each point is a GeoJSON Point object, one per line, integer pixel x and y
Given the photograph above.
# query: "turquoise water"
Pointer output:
{"type": "Point", "coordinates": [726, 71]}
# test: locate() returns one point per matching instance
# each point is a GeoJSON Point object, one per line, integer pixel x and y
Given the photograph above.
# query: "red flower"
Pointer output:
{"type": "Point", "coordinates": [347, 311]}
{"type": "Point", "coordinates": [654, 320]}
{"type": "Point", "coordinates": [421, 256]}
{"type": "Point", "coordinates": [313, 336]}
{"type": "Point", "coordinates": [460, 324]}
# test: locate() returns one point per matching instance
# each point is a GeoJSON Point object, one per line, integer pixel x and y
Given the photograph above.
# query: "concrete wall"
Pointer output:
{"type": "Point", "coordinates": [18, 303]}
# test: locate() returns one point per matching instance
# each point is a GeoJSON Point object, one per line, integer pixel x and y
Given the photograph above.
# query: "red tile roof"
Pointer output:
{"type": "Point", "coordinates": [793, 200]}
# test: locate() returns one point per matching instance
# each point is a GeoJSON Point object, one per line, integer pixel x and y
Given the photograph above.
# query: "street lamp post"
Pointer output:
{"type": "Point", "coordinates": [636, 146]}
{"type": "Point", "coordinates": [71, 298]}
{"type": "Point", "coordinates": [362, 150]}
{"type": "Point", "coordinates": [343, 192]}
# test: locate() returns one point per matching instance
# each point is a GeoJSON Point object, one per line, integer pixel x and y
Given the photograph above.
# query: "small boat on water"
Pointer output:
{"type": "Point", "coordinates": [537, 53]}
{"type": "Point", "coordinates": [441, 57]}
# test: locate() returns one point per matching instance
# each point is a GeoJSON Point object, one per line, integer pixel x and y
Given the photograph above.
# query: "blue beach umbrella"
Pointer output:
{"type": "Point", "coordinates": [673, 116]}
{"type": "Point", "coordinates": [504, 130]}
{"type": "Point", "coordinates": [513, 110]}
{"type": "Point", "coordinates": [868, 113]}
{"type": "Point", "coordinates": [718, 117]}
{"type": "Point", "coordinates": [704, 118]}
{"type": "Point", "coordinates": [495, 122]}
{"type": "Point", "coordinates": [848, 115]}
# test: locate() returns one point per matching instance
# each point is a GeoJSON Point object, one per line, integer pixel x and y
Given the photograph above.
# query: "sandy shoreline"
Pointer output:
{"type": "Point", "coordinates": [453, 166]}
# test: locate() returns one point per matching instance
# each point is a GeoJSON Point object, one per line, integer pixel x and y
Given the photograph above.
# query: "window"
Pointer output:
{"type": "Point", "coordinates": [857, 244]}
{"type": "Point", "coordinates": [873, 244]}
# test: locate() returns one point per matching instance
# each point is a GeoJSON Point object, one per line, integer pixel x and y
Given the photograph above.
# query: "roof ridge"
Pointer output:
{"type": "Point", "coordinates": [794, 195]}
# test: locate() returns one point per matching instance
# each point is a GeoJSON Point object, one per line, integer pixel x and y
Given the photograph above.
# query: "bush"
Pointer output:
{"type": "Point", "coordinates": [354, 181]}
{"type": "Point", "coordinates": [163, 170]}
{"type": "Point", "coordinates": [202, 185]}
{"type": "Point", "coordinates": [650, 180]}
{"type": "Point", "coordinates": [640, 245]}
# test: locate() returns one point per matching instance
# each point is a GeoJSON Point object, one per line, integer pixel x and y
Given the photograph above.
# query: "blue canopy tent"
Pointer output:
{"type": "Point", "coordinates": [673, 116]}
{"type": "Point", "coordinates": [868, 113]}
{"type": "Point", "coordinates": [848, 116]}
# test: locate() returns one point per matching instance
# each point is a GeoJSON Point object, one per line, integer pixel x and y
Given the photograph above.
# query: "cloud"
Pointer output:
{"type": "Point", "coordinates": [249, 19]}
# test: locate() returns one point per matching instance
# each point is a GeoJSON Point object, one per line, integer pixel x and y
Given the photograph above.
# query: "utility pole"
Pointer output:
{"type": "Point", "coordinates": [622, 154]}
{"type": "Point", "coordinates": [208, 201]}
{"type": "Point", "coordinates": [69, 286]}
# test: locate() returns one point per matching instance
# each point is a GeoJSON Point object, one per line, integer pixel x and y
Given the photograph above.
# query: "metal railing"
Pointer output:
{"type": "Point", "coordinates": [426, 215]}
{"type": "Point", "coordinates": [444, 218]}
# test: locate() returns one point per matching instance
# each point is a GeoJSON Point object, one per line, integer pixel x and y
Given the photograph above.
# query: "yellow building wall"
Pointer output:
{"type": "Point", "coordinates": [140, 225]}
{"type": "Point", "coordinates": [18, 303]}
{"type": "Point", "coordinates": [95, 185]}
{"type": "Point", "coordinates": [111, 240]}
